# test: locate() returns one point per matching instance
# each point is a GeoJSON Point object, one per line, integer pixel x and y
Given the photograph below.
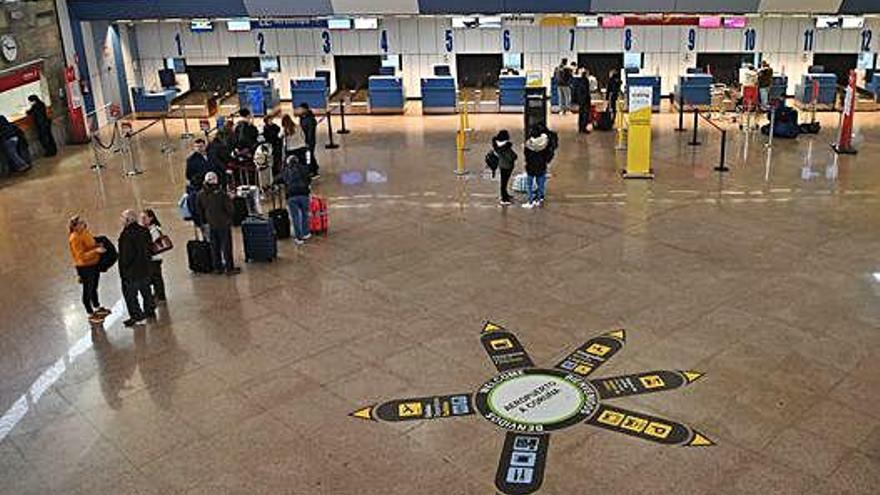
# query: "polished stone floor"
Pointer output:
{"type": "Point", "coordinates": [766, 279]}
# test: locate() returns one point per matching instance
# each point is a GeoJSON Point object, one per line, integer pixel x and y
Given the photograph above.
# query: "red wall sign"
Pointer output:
{"type": "Point", "coordinates": [20, 77]}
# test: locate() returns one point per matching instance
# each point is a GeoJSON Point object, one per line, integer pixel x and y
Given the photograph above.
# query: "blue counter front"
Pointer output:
{"type": "Point", "coordinates": [152, 102]}
{"type": "Point", "coordinates": [511, 93]}
{"type": "Point", "coordinates": [385, 94]}
{"type": "Point", "coordinates": [694, 90]}
{"type": "Point", "coordinates": [827, 89]}
{"type": "Point", "coordinates": [258, 95]}
{"type": "Point", "coordinates": [312, 91]}
{"type": "Point", "coordinates": [438, 95]}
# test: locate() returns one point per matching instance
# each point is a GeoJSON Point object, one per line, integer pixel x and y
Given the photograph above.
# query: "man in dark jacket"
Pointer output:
{"type": "Point", "coordinates": [584, 102]}
{"type": "Point", "coordinates": [272, 135]}
{"type": "Point", "coordinates": [197, 165]}
{"type": "Point", "coordinates": [614, 84]}
{"type": "Point", "coordinates": [135, 269]}
{"type": "Point", "coordinates": [297, 180]}
{"type": "Point", "coordinates": [502, 147]}
{"type": "Point", "coordinates": [43, 124]}
{"type": "Point", "coordinates": [309, 125]}
{"type": "Point", "coordinates": [215, 207]}
{"type": "Point", "coordinates": [246, 132]}
{"type": "Point", "coordinates": [537, 156]}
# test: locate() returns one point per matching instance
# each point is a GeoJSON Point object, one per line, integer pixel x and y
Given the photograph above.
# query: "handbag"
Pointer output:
{"type": "Point", "coordinates": [161, 244]}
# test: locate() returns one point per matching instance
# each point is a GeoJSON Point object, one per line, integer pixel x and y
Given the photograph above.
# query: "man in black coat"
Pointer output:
{"type": "Point", "coordinates": [135, 254]}
{"type": "Point", "coordinates": [246, 133]}
{"type": "Point", "coordinates": [215, 206]}
{"type": "Point", "coordinates": [584, 101]}
{"type": "Point", "coordinates": [43, 124]}
{"type": "Point", "coordinates": [309, 125]}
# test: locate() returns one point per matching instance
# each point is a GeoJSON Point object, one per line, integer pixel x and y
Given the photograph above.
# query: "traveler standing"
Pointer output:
{"type": "Point", "coordinates": [86, 253]}
{"type": "Point", "coordinates": [215, 207]}
{"type": "Point", "coordinates": [246, 133]}
{"type": "Point", "coordinates": [157, 283]}
{"type": "Point", "coordinates": [614, 84]}
{"type": "Point", "coordinates": [43, 123]}
{"type": "Point", "coordinates": [294, 141]}
{"type": "Point", "coordinates": [563, 86]}
{"type": "Point", "coordinates": [135, 269]}
{"type": "Point", "coordinates": [297, 180]}
{"type": "Point", "coordinates": [765, 81]}
{"type": "Point", "coordinates": [14, 146]}
{"type": "Point", "coordinates": [272, 135]}
{"type": "Point", "coordinates": [309, 125]}
{"type": "Point", "coordinates": [197, 165]}
{"type": "Point", "coordinates": [584, 100]}
{"type": "Point", "coordinates": [537, 157]}
{"type": "Point", "coordinates": [502, 147]}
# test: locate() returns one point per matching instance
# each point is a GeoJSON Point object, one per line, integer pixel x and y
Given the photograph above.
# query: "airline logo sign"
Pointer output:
{"type": "Point", "coordinates": [640, 99]}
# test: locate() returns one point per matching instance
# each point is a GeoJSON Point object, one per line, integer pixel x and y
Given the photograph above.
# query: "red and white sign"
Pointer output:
{"type": "Point", "coordinates": [20, 77]}
{"type": "Point", "coordinates": [844, 138]}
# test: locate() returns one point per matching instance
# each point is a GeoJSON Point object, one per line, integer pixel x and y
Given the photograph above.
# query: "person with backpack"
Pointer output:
{"type": "Point", "coordinates": [43, 123]}
{"type": "Point", "coordinates": [563, 86]}
{"type": "Point", "coordinates": [309, 125]}
{"type": "Point", "coordinates": [86, 253]}
{"type": "Point", "coordinates": [246, 133]}
{"type": "Point", "coordinates": [614, 85]}
{"type": "Point", "coordinates": [537, 153]}
{"type": "Point", "coordinates": [215, 207]}
{"type": "Point", "coordinates": [584, 101]}
{"type": "Point", "coordinates": [765, 81]}
{"type": "Point", "coordinates": [135, 269]}
{"type": "Point", "coordinates": [297, 180]}
{"type": "Point", "coordinates": [149, 220]}
{"type": "Point", "coordinates": [503, 149]}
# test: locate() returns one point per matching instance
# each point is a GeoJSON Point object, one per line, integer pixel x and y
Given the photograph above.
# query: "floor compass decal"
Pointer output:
{"type": "Point", "coordinates": [531, 402]}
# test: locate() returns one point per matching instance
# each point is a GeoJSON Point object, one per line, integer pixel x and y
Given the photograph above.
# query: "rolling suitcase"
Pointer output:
{"type": "Point", "coordinates": [319, 221]}
{"type": "Point", "coordinates": [280, 218]}
{"type": "Point", "coordinates": [605, 122]}
{"type": "Point", "coordinates": [259, 240]}
{"type": "Point", "coordinates": [198, 254]}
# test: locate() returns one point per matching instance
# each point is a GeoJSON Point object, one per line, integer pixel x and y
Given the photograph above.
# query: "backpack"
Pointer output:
{"type": "Point", "coordinates": [492, 161]}
{"type": "Point", "coordinates": [109, 256]}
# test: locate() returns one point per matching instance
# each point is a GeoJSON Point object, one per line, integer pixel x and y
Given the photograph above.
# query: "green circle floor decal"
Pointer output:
{"type": "Point", "coordinates": [530, 402]}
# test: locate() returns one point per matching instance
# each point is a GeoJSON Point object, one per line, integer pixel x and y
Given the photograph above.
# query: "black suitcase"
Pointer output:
{"type": "Point", "coordinates": [258, 234]}
{"type": "Point", "coordinates": [280, 218]}
{"type": "Point", "coordinates": [199, 256]}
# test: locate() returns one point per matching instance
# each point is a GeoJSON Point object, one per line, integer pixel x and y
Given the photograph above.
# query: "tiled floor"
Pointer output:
{"type": "Point", "coordinates": [766, 279]}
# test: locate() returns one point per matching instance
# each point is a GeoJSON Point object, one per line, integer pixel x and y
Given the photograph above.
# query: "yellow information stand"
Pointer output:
{"type": "Point", "coordinates": [638, 149]}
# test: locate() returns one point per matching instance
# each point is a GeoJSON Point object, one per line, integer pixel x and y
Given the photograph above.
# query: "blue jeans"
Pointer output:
{"type": "Point", "coordinates": [16, 161]}
{"type": "Point", "coordinates": [535, 186]}
{"type": "Point", "coordinates": [299, 215]}
{"type": "Point", "coordinates": [765, 96]}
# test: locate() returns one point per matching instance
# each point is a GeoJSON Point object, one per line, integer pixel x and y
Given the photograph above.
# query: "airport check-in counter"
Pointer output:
{"type": "Point", "coordinates": [152, 102]}
{"type": "Point", "coordinates": [651, 81]}
{"type": "Point", "coordinates": [511, 93]}
{"type": "Point", "coordinates": [385, 94]}
{"type": "Point", "coordinates": [827, 89]}
{"type": "Point", "coordinates": [257, 94]}
{"type": "Point", "coordinates": [779, 88]}
{"type": "Point", "coordinates": [438, 95]}
{"type": "Point", "coordinates": [312, 91]}
{"type": "Point", "coordinates": [694, 90]}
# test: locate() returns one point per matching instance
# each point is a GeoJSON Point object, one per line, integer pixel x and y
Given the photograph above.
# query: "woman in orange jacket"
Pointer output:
{"type": "Point", "coordinates": [86, 254]}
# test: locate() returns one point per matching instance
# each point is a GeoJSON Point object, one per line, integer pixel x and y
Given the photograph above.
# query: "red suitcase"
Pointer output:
{"type": "Point", "coordinates": [319, 222]}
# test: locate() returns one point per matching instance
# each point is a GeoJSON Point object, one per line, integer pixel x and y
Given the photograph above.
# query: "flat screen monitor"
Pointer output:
{"type": "Point", "coordinates": [178, 65]}
{"type": "Point", "coordinates": [167, 79]}
{"type": "Point", "coordinates": [513, 60]}
{"type": "Point", "coordinates": [201, 26]}
{"type": "Point", "coordinates": [866, 61]}
{"type": "Point", "coordinates": [852, 22]}
{"type": "Point", "coordinates": [632, 60]}
{"type": "Point", "coordinates": [613, 21]}
{"type": "Point", "coordinates": [366, 23]}
{"type": "Point", "coordinates": [587, 21]}
{"type": "Point", "coordinates": [710, 22]}
{"type": "Point", "coordinates": [238, 25]}
{"type": "Point", "coordinates": [270, 64]}
{"type": "Point", "coordinates": [442, 70]}
{"type": "Point", "coordinates": [826, 22]}
{"type": "Point", "coordinates": [392, 61]}
{"type": "Point", "coordinates": [338, 23]}
{"type": "Point", "coordinates": [735, 22]}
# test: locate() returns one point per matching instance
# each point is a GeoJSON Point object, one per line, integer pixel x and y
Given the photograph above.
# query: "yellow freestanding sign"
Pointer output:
{"type": "Point", "coordinates": [638, 148]}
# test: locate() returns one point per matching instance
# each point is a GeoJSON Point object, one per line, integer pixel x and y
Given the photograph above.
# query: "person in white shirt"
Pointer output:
{"type": "Point", "coordinates": [149, 220]}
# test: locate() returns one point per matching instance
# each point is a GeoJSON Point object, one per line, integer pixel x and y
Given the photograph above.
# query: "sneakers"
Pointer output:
{"type": "Point", "coordinates": [298, 242]}
{"type": "Point", "coordinates": [96, 319]}
{"type": "Point", "coordinates": [505, 202]}
{"type": "Point", "coordinates": [528, 205]}
{"type": "Point", "coordinates": [102, 312]}
{"type": "Point", "coordinates": [307, 237]}
{"type": "Point", "coordinates": [132, 322]}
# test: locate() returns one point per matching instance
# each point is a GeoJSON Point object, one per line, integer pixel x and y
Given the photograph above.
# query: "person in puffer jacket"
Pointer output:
{"type": "Point", "coordinates": [502, 147]}
{"type": "Point", "coordinates": [537, 152]}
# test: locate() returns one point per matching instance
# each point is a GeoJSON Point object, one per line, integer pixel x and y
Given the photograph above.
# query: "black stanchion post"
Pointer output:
{"type": "Point", "coordinates": [342, 129]}
{"type": "Point", "coordinates": [722, 166]}
{"type": "Point", "coordinates": [680, 127]}
{"type": "Point", "coordinates": [331, 145]}
{"type": "Point", "coordinates": [694, 141]}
